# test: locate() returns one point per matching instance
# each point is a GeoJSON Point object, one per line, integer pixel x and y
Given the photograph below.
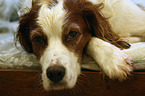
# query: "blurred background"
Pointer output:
{"type": "Point", "coordinates": [10, 14]}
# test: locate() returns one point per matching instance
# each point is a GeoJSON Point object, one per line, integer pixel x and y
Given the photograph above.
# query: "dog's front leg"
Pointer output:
{"type": "Point", "coordinates": [113, 62]}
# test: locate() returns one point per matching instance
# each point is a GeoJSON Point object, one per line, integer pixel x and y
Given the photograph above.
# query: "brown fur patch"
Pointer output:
{"type": "Point", "coordinates": [27, 23]}
{"type": "Point", "coordinates": [39, 41]}
{"type": "Point", "coordinates": [97, 24]}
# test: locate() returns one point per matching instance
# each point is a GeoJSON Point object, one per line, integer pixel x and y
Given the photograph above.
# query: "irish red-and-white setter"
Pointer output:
{"type": "Point", "coordinates": [58, 32]}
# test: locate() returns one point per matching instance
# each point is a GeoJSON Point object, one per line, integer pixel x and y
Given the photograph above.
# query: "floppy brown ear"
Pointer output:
{"type": "Point", "coordinates": [27, 23]}
{"type": "Point", "coordinates": [99, 26]}
{"type": "Point", "coordinates": [23, 33]}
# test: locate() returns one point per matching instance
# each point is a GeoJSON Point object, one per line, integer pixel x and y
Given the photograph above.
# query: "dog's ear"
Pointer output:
{"type": "Point", "coordinates": [27, 23]}
{"type": "Point", "coordinates": [99, 26]}
{"type": "Point", "coordinates": [23, 32]}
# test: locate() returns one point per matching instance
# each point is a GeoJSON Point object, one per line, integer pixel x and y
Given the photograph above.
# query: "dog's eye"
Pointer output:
{"type": "Point", "coordinates": [38, 39]}
{"type": "Point", "coordinates": [72, 34]}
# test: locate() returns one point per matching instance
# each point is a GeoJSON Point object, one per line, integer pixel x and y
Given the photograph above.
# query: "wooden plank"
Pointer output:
{"type": "Point", "coordinates": [28, 83]}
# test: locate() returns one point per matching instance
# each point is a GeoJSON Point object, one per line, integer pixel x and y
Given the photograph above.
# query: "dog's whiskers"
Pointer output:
{"type": "Point", "coordinates": [43, 92]}
{"type": "Point", "coordinates": [38, 84]}
{"type": "Point", "coordinates": [38, 81]}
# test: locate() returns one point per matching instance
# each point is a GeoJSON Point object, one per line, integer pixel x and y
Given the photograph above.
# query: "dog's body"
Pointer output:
{"type": "Point", "coordinates": [58, 31]}
{"type": "Point", "coordinates": [125, 17]}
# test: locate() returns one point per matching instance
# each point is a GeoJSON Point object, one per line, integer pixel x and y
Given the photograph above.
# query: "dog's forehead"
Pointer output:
{"type": "Point", "coordinates": [51, 17]}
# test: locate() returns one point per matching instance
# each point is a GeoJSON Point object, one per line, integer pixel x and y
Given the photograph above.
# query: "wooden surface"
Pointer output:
{"type": "Point", "coordinates": [28, 83]}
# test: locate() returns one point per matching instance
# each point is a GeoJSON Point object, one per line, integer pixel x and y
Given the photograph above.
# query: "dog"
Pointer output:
{"type": "Point", "coordinates": [59, 32]}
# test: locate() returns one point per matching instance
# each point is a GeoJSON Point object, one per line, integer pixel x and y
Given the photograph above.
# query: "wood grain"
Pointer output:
{"type": "Point", "coordinates": [28, 83]}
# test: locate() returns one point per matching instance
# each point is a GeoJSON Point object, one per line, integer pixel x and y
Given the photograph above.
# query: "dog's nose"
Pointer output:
{"type": "Point", "coordinates": [55, 73]}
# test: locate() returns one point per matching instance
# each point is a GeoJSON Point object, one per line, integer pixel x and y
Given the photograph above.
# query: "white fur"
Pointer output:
{"type": "Point", "coordinates": [111, 59]}
{"type": "Point", "coordinates": [137, 51]}
{"type": "Point", "coordinates": [127, 20]}
{"type": "Point", "coordinates": [51, 21]}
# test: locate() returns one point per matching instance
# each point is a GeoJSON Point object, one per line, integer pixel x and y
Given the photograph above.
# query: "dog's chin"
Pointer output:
{"type": "Point", "coordinates": [62, 85]}
{"type": "Point", "coordinates": [58, 86]}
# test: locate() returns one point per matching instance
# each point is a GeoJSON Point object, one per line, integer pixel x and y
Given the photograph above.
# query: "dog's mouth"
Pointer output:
{"type": "Point", "coordinates": [61, 85]}
{"type": "Point", "coordinates": [58, 85]}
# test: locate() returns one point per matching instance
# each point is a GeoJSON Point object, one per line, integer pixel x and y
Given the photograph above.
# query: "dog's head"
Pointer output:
{"type": "Point", "coordinates": [57, 33]}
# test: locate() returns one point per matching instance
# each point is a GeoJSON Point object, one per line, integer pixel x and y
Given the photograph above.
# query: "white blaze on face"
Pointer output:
{"type": "Point", "coordinates": [51, 20]}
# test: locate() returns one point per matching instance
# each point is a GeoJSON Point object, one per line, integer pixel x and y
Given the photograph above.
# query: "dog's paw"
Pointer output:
{"type": "Point", "coordinates": [112, 61]}
{"type": "Point", "coordinates": [119, 67]}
